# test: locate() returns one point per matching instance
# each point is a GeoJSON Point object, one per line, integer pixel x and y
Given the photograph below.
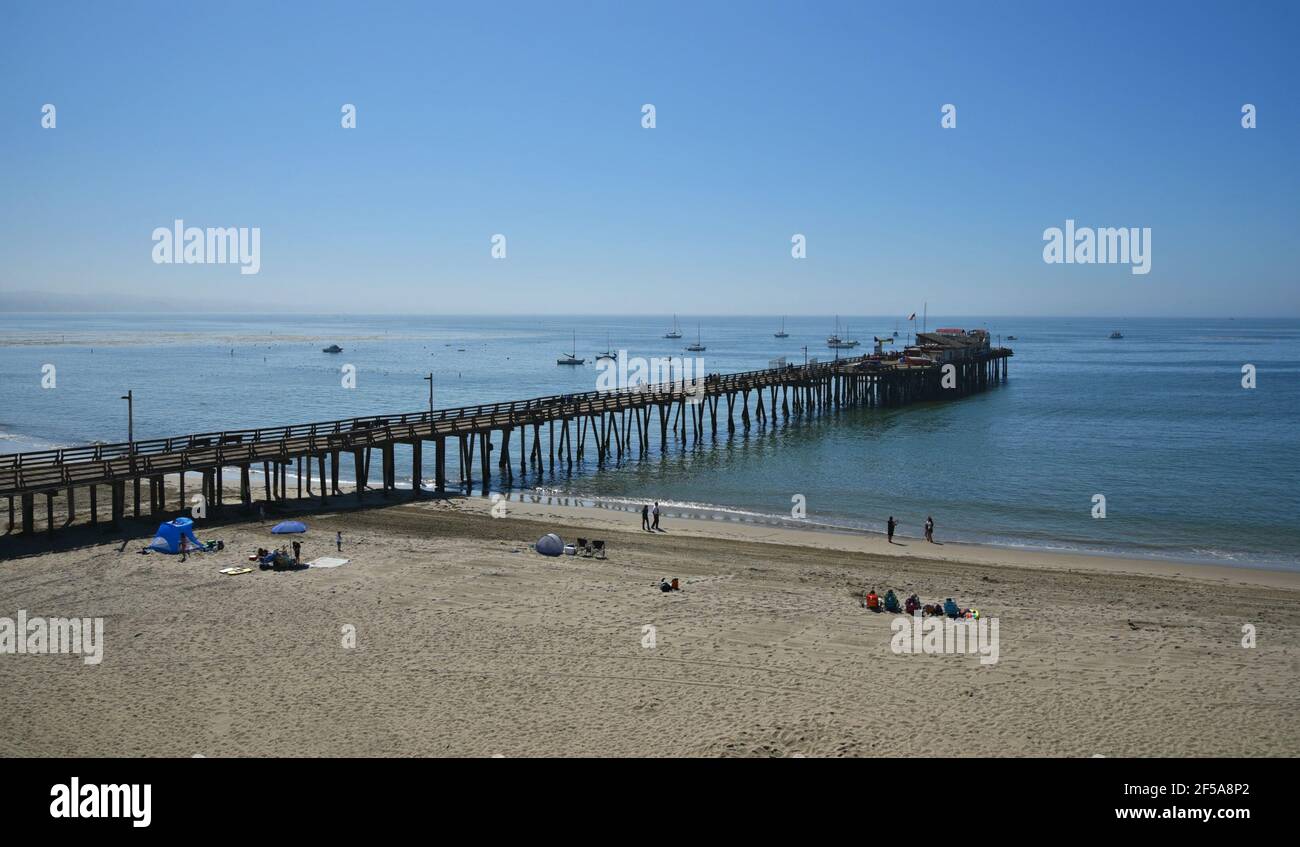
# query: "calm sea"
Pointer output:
{"type": "Point", "coordinates": [1191, 464]}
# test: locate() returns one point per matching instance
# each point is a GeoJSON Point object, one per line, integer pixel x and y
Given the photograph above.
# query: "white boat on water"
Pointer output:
{"type": "Point", "coordinates": [782, 333]}
{"type": "Point", "coordinates": [675, 332]}
{"type": "Point", "coordinates": [1117, 334]}
{"type": "Point", "coordinates": [697, 347]}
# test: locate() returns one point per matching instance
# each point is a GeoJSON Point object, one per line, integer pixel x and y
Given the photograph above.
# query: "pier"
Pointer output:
{"type": "Point", "coordinates": [547, 431]}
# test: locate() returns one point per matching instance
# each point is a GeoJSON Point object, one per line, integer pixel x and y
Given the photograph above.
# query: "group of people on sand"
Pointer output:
{"type": "Point", "coordinates": [892, 525]}
{"type": "Point", "coordinates": [281, 559]}
{"type": "Point", "coordinates": [912, 605]}
{"type": "Point", "coordinates": [646, 514]}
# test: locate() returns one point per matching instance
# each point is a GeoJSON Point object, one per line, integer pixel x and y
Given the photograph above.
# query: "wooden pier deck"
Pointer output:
{"type": "Point", "coordinates": [618, 422]}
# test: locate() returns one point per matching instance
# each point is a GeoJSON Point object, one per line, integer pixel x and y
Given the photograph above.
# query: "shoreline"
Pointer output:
{"type": "Point", "coordinates": [726, 515]}
{"type": "Point", "coordinates": [611, 514]}
{"type": "Point", "coordinates": [875, 544]}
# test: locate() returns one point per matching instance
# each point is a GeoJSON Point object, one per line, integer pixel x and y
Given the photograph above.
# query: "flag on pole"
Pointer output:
{"type": "Point", "coordinates": [912, 316]}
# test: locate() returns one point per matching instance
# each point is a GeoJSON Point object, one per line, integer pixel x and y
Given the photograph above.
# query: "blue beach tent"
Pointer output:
{"type": "Point", "coordinates": [168, 537]}
{"type": "Point", "coordinates": [289, 527]}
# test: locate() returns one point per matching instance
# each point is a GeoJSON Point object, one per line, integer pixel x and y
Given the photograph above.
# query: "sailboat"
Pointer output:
{"type": "Point", "coordinates": [782, 333]}
{"type": "Point", "coordinates": [834, 341]}
{"type": "Point", "coordinates": [697, 347]}
{"type": "Point", "coordinates": [675, 332]}
{"type": "Point", "coordinates": [608, 354]}
{"type": "Point", "coordinates": [572, 358]}
{"type": "Point", "coordinates": [834, 337]}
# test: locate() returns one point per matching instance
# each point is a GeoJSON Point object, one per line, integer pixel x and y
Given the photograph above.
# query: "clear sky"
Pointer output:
{"type": "Point", "coordinates": [772, 119]}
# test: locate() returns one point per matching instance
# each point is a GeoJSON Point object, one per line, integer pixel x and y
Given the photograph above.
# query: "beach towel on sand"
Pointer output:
{"type": "Point", "coordinates": [327, 562]}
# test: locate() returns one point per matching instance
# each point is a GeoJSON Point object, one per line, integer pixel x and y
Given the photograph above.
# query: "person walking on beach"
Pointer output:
{"type": "Point", "coordinates": [185, 548]}
{"type": "Point", "coordinates": [297, 551]}
{"type": "Point", "coordinates": [645, 517]}
{"type": "Point", "coordinates": [655, 526]}
{"type": "Point", "coordinates": [338, 541]}
{"type": "Point", "coordinates": [929, 529]}
{"type": "Point", "coordinates": [889, 527]}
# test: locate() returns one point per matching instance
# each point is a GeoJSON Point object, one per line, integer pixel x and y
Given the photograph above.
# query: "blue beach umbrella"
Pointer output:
{"type": "Point", "coordinates": [289, 527]}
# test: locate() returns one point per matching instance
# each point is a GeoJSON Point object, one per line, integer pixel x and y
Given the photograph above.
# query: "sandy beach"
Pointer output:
{"type": "Point", "coordinates": [467, 643]}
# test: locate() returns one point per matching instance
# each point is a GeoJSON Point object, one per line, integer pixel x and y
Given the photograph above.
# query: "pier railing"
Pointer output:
{"type": "Point", "coordinates": [50, 469]}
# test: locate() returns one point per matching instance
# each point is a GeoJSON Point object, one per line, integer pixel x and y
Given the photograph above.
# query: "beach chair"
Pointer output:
{"type": "Point", "coordinates": [584, 547]}
{"type": "Point", "coordinates": [598, 548]}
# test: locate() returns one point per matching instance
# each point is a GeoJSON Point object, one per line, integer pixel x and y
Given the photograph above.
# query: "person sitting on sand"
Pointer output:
{"type": "Point", "coordinates": [891, 602]}
{"type": "Point", "coordinates": [913, 603]}
{"type": "Point", "coordinates": [873, 600]}
{"type": "Point", "coordinates": [950, 608]}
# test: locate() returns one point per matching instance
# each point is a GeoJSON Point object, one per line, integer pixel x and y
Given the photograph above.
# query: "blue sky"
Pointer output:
{"type": "Point", "coordinates": [772, 119]}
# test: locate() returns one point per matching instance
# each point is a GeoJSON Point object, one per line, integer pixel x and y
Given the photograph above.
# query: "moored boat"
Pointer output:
{"type": "Point", "coordinates": [571, 358]}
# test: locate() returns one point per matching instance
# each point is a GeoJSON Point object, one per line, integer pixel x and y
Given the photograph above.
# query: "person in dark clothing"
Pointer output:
{"type": "Point", "coordinates": [655, 512]}
{"type": "Point", "coordinates": [297, 551]}
{"type": "Point", "coordinates": [890, 528]}
{"type": "Point", "coordinates": [929, 529]}
{"type": "Point", "coordinates": [645, 517]}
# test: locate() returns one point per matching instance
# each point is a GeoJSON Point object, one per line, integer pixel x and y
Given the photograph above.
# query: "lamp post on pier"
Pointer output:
{"type": "Point", "coordinates": [129, 397]}
{"type": "Point", "coordinates": [429, 379]}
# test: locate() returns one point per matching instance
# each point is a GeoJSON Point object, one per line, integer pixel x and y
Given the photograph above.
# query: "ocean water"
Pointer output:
{"type": "Point", "coordinates": [1191, 464]}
